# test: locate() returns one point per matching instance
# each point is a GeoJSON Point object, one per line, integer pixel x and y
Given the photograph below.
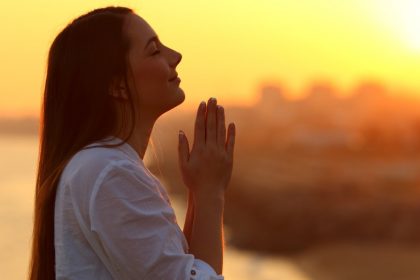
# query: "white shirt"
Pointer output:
{"type": "Point", "coordinates": [113, 220]}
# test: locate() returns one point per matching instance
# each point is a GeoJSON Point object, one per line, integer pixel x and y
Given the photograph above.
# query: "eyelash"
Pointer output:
{"type": "Point", "coordinates": [156, 52]}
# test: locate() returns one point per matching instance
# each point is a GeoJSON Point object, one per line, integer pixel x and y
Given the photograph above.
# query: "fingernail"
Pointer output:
{"type": "Point", "coordinates": [212, 99]}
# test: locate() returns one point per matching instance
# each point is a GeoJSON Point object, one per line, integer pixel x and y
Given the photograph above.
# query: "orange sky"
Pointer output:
{"type": "Point", "coordinates": [230, 47]}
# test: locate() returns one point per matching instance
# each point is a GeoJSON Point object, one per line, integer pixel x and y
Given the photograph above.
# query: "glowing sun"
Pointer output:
{"type": "Point", "coordinates": [407, 20]}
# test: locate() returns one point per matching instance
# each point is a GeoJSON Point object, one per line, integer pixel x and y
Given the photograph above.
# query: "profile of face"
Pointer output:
{"type": "Point", "coordinates": [154, 77]}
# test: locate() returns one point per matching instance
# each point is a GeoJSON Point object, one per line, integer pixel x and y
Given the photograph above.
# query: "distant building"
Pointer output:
{"type": "Point", "coordinates": [271, 97]}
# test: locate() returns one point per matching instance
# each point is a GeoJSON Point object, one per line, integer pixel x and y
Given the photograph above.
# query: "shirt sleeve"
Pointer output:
{"type": "Point", "coordinates": [137, 228]}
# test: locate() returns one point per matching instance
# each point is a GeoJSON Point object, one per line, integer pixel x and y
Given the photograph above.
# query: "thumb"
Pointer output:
{"type": "Point", "coordinates": [183, 149]}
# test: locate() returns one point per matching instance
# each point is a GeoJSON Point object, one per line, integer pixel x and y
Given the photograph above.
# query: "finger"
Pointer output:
{"type": "Point", "coordinates": [231, 140]}
{"type": "Point", "coordinates": [183, 149]}
{"type": "Point", "coordinates": [200, 126]}
{"type": "Point", "coordinates": [211, 121]}
{"type": "Point", "coordinates": [221, 126]}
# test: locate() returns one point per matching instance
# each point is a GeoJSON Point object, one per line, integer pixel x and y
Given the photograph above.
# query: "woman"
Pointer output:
{"type": "Point", "coordinates": [99, 213]}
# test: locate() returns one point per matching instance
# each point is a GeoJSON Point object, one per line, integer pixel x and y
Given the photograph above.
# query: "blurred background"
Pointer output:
{"type": "Point", "coordinates": [324, 95]}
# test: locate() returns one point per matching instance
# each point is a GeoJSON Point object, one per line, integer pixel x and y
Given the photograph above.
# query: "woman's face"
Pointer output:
{"type": "Point", "coordinates": [153, 68]}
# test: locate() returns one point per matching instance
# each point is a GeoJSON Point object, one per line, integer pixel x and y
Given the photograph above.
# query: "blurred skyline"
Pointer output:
{"type": "Point", "coordinates": [231, 48]}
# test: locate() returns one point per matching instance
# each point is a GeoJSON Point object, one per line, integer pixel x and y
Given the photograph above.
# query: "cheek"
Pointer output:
{"type": "Point", "coordinates": [152, 74]}
{"type": "Point", "coordinates": [151, 79]}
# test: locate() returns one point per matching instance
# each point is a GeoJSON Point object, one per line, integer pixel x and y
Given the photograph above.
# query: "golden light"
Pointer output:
{"type": "Point", "coordinates": [231, 48]}
{"type": "Point", "coordinates": [410, 22]}
{"type": "Point", "coordinates": [404, 17]}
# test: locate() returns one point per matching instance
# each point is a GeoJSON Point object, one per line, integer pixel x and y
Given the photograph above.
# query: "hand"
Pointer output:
{"type": "Point", "coordinates": [208, 167]}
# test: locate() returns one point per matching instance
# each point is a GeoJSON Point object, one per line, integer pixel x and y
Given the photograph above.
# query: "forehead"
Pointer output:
{"type": "Point", "coordinates": [138, 30]}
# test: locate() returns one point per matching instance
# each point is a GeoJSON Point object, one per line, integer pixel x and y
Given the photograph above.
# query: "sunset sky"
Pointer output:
{"type": "Point", "coordinates": [232, 47]}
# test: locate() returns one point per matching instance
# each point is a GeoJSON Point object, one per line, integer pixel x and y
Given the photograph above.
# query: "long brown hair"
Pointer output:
{"type": "Point", "coordinates": [83, 62]}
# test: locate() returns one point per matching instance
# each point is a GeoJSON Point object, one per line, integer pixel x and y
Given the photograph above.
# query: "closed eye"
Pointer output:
{"type": "Point", "coordinates": [156, 52]}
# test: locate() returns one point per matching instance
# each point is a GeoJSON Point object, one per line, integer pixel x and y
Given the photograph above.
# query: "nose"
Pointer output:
{"type": "Point", "coordinates": [176, 58]}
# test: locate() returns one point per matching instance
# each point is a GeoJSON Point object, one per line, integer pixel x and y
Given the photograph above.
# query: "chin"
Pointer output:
{"type": "Point", "coordinates": [182, 94]}
{"type": "Point", "coordinates": [179, 98]}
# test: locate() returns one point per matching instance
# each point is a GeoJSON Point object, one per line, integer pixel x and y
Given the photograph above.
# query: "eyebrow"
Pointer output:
{"type": "Point", "coordinates": [154, 38]}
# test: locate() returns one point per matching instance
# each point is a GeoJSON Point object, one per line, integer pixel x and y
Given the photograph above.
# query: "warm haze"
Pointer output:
{"type": "Point", "coordinates": [231, 47]}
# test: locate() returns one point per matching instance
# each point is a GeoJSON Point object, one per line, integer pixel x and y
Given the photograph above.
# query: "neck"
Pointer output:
{"type": "Point", "coordinates": [141, 135]}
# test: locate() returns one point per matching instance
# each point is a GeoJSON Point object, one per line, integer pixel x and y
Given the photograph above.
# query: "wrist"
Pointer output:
{"type": "Point", "coordinates": [214, 197]}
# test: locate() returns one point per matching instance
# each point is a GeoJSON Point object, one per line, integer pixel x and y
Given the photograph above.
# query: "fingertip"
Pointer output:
{"type": "Point", "coordinates": [232, 127]}
{"type": "Point", "coordinates": [201, 108]}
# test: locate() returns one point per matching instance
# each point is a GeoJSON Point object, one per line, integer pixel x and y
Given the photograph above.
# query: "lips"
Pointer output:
{"type": "Point", "coordinates": [174, 77]}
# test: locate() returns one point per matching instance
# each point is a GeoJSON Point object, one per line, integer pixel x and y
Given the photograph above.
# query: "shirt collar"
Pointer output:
{"type": "Point", "coordinates": [125, 148]}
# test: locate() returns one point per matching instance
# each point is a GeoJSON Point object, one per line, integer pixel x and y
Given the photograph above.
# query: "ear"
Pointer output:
{"type": "Point", "coordinates": [118, 90]}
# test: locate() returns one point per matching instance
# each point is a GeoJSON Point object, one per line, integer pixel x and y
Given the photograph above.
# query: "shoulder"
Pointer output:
{"type": "Point", "coordinates": [89, 163]}
{"type": "Point", "coordinates": [98, 164]}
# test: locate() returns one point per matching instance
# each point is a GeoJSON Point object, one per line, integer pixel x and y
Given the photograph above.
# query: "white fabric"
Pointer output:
{"type": "Point", "coordinates": [113, 220]}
